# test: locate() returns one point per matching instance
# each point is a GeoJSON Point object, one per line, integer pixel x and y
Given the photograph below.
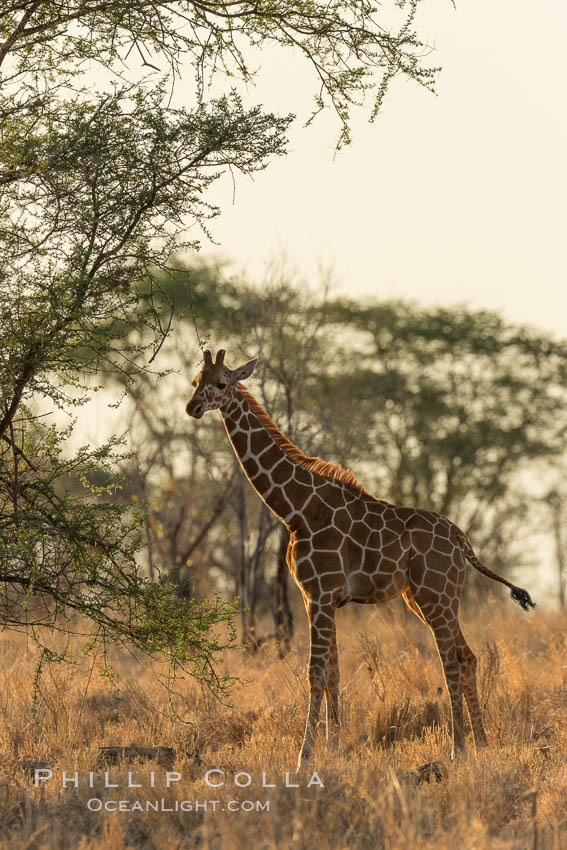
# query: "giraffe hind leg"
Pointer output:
{"type": "Point", "coordinates": [470, 692]}
{"type": "Point", "coordinates": [443, 622]}
{"type": "Point", "coordinates": [468, 662]}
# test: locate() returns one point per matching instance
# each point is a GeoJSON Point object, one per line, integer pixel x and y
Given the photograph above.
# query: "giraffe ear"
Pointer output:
{"type": "Point", "coordinates": [243, 372]}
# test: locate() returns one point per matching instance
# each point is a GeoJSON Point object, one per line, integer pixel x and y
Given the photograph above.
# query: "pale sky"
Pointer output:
{"type": "Point", "coordinates": [454, 198]}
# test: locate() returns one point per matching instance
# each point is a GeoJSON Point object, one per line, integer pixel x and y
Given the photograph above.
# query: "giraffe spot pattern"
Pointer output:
{"type": "Point", "coordinates": [346, 545]}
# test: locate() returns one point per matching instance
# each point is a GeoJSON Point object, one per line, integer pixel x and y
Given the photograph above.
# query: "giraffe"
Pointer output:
{"type": "Point", "coordinates": [348, 546]}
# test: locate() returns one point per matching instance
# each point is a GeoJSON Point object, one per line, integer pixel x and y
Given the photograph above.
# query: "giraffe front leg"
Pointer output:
{"type": "Point", "coordinates": [332, 691]}
{"type": "Point", "coordinates": [321, 625]}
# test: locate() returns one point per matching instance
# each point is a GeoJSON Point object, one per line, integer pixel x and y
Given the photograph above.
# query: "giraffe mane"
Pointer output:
{"type": "Point", "coordinates": [326, 469]}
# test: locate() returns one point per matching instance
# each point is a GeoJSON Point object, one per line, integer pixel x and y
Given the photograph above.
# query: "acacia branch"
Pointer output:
{"type": "Point", "coordinates": [28, 370]}
{"type": "Point", "coordinates": [19, 31]}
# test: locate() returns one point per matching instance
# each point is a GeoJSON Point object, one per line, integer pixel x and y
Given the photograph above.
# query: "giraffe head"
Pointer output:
{"type": "Point", "coordinates": [214, 385]}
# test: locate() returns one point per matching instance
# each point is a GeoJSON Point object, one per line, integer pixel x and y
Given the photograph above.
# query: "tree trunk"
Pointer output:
{"type": "Point", "coordinates": [242, 560]}
{"type": "Point", "coordinates": [283, 616]}
{"type": "Point", "coordinates": [556, 504]}
{"type": "Point", "coordinates": [257, 575]}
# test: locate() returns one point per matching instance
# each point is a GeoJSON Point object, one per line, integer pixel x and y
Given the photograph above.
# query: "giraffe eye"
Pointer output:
{"type": "Point", "coordinates": [221, 386]}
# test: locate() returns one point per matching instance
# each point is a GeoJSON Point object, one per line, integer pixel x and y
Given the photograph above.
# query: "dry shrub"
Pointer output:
{"type": "Point", "coordinates": [233, 727]}
{"type": "Point", "coordinates": [404, 720]}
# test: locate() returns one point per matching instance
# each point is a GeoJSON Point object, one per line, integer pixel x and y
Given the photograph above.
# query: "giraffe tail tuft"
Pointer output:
{"type": "Point", "coordinates": [523, 598]}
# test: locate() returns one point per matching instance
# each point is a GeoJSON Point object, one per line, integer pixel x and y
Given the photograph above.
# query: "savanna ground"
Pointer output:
{"type": "Point", "coordinates": [395, 716]}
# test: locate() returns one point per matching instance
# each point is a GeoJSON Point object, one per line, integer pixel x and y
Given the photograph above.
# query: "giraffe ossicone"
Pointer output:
{"type": "Point", "coordinates": [348, 546]}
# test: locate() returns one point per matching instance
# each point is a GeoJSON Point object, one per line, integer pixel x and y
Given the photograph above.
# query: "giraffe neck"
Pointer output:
{"type": "Point", "coordinates": [265, 458]}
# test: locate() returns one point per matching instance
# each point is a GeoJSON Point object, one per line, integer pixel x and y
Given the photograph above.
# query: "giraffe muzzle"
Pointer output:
{"type": "Point", "coordinates": [195, 412]}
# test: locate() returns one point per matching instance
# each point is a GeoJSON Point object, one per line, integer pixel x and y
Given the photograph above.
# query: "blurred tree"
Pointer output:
{"type": "Point", "coordinates": [466, 404]}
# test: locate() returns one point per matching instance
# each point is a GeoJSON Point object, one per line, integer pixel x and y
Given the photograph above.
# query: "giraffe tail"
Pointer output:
{"type": "Point", "coordinates": [522, 597]}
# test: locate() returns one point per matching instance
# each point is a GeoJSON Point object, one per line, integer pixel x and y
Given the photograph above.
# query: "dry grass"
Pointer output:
{"type": "Point", "coordinates": [395, 715]}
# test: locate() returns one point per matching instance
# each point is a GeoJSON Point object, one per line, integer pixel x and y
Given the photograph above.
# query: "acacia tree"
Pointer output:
{"type": "Point", "coordinates": [98, 183]}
